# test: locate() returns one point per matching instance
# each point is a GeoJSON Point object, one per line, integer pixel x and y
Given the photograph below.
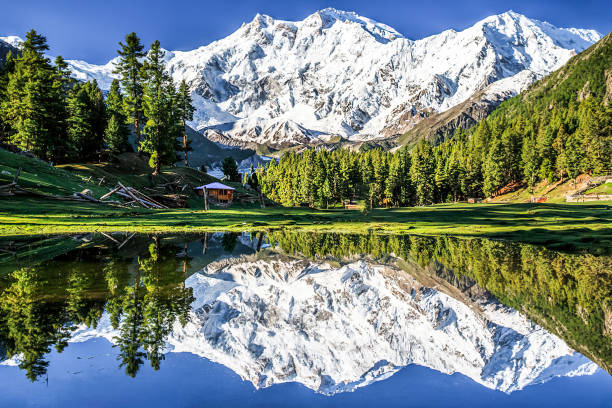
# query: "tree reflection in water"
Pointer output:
{"type": "Point", "coordinates": [40, 306]}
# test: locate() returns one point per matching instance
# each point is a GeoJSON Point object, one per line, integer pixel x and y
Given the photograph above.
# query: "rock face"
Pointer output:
{"type": "Point", "coordinates": [336, 328]}
{"type": "Point", "coordinates": [7, 44]}
{"type": "Point", "coordinates": [438, 126]}
{"type": "Point", "coordinates": [282, 83]}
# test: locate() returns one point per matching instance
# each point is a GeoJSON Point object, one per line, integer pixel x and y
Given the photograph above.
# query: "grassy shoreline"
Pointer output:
{"type": "Point", "coordinates": [583, 226]}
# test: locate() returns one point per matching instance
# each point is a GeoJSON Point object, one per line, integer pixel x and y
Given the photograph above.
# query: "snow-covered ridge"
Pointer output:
{"type": "Point", "coordinates": [279, 82]}
{"type": "Point", "coordinates": [334, 329]}
{"type": "Point", "coordinates": [12, 40]}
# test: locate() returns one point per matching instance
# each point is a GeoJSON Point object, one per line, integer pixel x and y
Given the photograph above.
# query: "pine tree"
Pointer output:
{"type": "Point", "coordinates": [185, 110]}
{"type": "Point", "coordinates": [530, 162]}
{"type": "Point", "coordinates": [80, 129]}
{"type": "Point", "coordinates": [595, 134]}
{"type": "Point", "coordinates": [422, 173]}
{"type": "Point", "coordinates": [97, 108]}
{"type": "Point", "coordinates": [8, 68]}
{"type": "Point", "coordinates": [163, 123]}
{"type": "Point", "coordinates": [230, 169]}
{"type": "Point", "coordinates": [116, 133]}
{"type": "Point", "coordinates": [494, 169]}
{"type": "Point", "coordinates": [86, 120]}
{"type": "Point", "coordinates": [511, 142]}
{"type": "Point", "coordinates": [129, 68]}
{"type": "Point", "coordinates": [34, 105]}
{"type": "Point", "coordinates": [453, 170]}
{"type": "Point", "coordinates": [559, 144]}
{"type": "Point", "coordinates": [440, 176]}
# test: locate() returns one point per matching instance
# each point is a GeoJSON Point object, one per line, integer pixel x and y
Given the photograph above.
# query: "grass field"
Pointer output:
{"type": "Point", "coordinates": [563, 226]}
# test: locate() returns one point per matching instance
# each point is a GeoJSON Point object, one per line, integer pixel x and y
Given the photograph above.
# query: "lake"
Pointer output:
{"type": "Point", "coordinates": [283, 319]}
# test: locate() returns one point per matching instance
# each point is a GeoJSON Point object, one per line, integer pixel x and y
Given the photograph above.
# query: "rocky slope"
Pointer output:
{"type": "Point", "coordinates": [336, 328]}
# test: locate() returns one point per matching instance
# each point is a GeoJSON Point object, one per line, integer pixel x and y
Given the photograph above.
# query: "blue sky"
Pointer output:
{"type": "Point", "coordinates": [90, 30]}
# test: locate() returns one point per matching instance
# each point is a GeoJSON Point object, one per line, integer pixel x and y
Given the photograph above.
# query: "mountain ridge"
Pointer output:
{"type": "Point", "coordinates": [285, 83]}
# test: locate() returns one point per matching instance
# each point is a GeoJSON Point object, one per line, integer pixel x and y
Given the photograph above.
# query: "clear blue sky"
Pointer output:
{"type": "Point", "coordinates": [90, 30]}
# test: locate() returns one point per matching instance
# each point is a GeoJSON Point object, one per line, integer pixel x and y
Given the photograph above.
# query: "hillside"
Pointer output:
{"type": "Point", "coordinates": [63, 180]}
{"type": "Point", "coordinates": [586, 74]}
{"type": "Point", "coordinates": [558, 129]}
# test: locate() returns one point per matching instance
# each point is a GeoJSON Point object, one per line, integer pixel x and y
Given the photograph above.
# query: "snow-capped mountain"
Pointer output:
{"type": "Point", "coordinates": [278, 82]}
{"type": "Point", "coordinates": [336, 328]}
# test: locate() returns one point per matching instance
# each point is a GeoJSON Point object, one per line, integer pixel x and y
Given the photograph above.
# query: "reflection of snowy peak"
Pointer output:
{"type": "Point", "coordinates": [336, 329]}
{"type": "Point", "coordinates": [278, 82]}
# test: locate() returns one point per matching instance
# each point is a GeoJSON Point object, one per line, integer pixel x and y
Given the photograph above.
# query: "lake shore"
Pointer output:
{"type": "Point", "coordinates": [562, 226]}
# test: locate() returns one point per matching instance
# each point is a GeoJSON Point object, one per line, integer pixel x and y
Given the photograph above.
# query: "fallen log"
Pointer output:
{"type": "Point", "coordinates": [145, 201]}
{"type": "Point", "coordinates": [125, 242]}
{"type": "Point", "coordinates": [110, 237]}
{"type": "Point", "coordinates": [87, 198]}
{"type": "Point", "coordinates": [145, 197]}
{"type": "Point", "coordinates": [110, 193]}
{"type": "Point", "coordinates": [124, 189]}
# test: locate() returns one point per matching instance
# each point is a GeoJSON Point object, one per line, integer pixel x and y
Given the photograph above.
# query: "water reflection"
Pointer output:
{"type": "Point", "coordinates": [333, 312]}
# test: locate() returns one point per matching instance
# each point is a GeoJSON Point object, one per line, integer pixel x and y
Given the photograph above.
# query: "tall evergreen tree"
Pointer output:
{"type": "Point", "coordinates": [86, 120]}
{"type": "Point", "coordinates": [531, 163]}
{"type": "Point", "coordinates": [163, 123]}
{"type": "Point", "coordinates": [116, 133]}
{"type": "Point", "coordinates": [129, 68]}
{"type": "Point", "coordinates": [422, 173]}
{"type": "Point", "coordinates": [494, 168]}
{"type": "Point", "coordinates": [34, 106]}
{"type": "Point", "coordinates": [230, 169]}
{"type": "Point", "coordinates": [97, 108]}
{"type": "Point", "coordinates": [5, 70]}
{"type": "Point", "coordinates": [185, 111]}
{"type": "Point", "coordinates": [595, 133]}
{"type": "Point", "coordinates": [79, 124]}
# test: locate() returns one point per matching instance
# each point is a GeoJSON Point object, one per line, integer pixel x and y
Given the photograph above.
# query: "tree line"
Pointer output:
{"type": "Point", "coordinates": [45, 111]}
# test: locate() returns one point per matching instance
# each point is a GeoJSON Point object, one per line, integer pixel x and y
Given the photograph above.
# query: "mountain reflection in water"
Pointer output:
{"type": "Point", "coordinates": [332, 312]}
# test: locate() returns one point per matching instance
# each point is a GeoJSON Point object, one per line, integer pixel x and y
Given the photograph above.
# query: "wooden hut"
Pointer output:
{"type": "Point", "coordinates": [216, 194]}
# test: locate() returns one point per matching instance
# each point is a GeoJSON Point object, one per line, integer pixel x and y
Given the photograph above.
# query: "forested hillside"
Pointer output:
{"type": "Point", "coordinates": [559, 128]}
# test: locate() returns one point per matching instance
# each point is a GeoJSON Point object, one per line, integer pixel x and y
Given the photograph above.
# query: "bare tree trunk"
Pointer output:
{"type": "Point", "coordinates": [157, 166]}
{"type": "Point", "coordinates": [185, 145]}
{"type": "Point", "coordinates": [205, 199]}
{"type": "Point", "coordinates": [137, 129]}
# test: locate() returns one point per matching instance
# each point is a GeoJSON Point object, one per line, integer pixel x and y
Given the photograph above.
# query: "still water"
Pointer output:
{"type": "Point", "coordinates": [301, 319]}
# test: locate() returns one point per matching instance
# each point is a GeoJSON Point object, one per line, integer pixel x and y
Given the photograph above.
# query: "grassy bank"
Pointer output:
{"type": "Point", "coordinates": [564, 226]}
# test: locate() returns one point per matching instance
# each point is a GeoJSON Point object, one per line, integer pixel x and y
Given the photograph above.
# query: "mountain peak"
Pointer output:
{"type": "Point", "coordinates": [513, 22]}
{"type": "Point", "coordinates": [379, 30]}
